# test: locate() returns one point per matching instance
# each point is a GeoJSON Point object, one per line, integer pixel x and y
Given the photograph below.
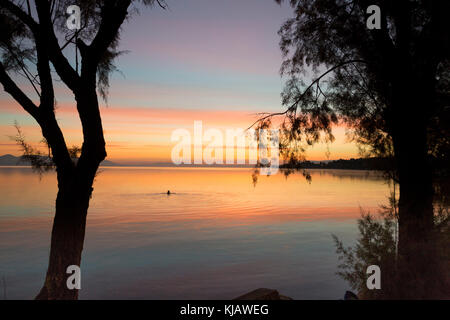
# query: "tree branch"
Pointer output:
{"type": "Point", "coordinates": [65, 71]}
{"type": "Point", "coordinates": [26, 72]}
{"type": "Point", "coordinates": [162, 5]}
{"type": "Point", "coordinates": [294, 105]}
{"type": "Point", "coordinates": [59, 61]}
{"type": "Point", "coordinates": [18, 95]}
{"type": "Point", "coordinates": [20, 14]}
{"type": "Point", "coordinates": [43, 63]}
{"type": "Point", "coordinates": [113, 14]}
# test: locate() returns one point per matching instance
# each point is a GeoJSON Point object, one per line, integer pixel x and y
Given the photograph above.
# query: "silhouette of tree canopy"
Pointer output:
{"type": "Point", "coordinates": [358, 72]}
{"type": "Point", "coordinates": [389, 86]}
{"type": "Point", "coordinates": [35, 44]}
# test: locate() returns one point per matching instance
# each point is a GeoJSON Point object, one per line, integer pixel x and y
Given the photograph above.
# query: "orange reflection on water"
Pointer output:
{"type": "Point", "coordinates": [225, 195]}
{"type": "Point", "coordinates": [216, 234]}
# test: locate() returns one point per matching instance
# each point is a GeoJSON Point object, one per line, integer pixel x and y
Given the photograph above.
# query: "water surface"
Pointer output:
{"type": "Point", "coordinates": [215, 237]}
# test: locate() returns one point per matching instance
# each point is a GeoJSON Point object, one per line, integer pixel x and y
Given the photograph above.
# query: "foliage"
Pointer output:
{"type": "Point", "coordinates": [353, 76]}
{"type": "Point", "coordinates": [377, 245]}
{"type": "Point", "coordinates": [40, 162]}
{"type": "Point", "coordinates": [17, 43]}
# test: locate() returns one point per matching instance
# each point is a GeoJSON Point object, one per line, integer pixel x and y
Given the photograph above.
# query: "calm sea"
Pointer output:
{"type": "Point", "coordinates": [217, 236]}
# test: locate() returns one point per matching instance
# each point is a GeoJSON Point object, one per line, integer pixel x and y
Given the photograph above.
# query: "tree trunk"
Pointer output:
{"type": "Point", "coordinates": [416, 187]}
{"type": "Point", "coordinates": [72, 203]}
{"type": "Point", "coordinates": [66, 242]}
{"type": "Point", "coordinates": [417, 261]}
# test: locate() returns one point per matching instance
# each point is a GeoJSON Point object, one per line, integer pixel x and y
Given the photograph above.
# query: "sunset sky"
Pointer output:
{"type": "Point", "coordinates": [210, 60]}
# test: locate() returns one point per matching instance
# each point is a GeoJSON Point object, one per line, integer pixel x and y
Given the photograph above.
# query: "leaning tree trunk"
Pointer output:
{"type": "Point", "coordinates": [67, 240]}
{"type": "Point", "coordinates": [72, 203]}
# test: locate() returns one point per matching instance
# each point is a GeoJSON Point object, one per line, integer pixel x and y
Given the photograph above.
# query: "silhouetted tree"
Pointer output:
{"type": "Point", "coordinates": [32, 40]}
{"type": "Point", "coordinates": [389, 85]}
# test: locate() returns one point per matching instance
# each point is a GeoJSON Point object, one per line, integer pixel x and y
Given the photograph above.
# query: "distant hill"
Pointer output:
{"type": "Point", "coordinates": [10, 160]}
{"type": "Point", "coordinates": [107, 163]}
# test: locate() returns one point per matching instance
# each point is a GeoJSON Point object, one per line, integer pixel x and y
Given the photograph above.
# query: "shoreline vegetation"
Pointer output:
{"type": "Point", "coordinates": [375, 164]}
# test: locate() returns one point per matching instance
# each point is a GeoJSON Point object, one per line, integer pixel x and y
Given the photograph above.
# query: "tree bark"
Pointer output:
{"type": "Point", "coordinates": [416, 185]}
{"type": "Point", "coordinates": [66, 241]}
{"type": "Point", "coordinates": [417, 261]}
{"type": "Point", "coordinates": [72, 203]}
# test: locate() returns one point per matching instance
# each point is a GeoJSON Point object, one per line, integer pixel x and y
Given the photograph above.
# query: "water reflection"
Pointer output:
{"type": "Point", "coordinates": [423, 273]}
{"type": "Point", "coordinates": [216, 237]}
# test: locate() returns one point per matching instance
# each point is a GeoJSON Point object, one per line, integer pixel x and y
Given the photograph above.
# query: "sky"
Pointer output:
{"type": "Point", "coordinates": [216, 61]}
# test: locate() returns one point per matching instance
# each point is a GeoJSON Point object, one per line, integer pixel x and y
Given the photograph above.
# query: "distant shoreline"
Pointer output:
{"type": "Point", "coordinates": [375, 164]}
{"type": "Point", "coordinates": [189, 167]}
{"type": "Point", "coordinates": [372, 164]}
